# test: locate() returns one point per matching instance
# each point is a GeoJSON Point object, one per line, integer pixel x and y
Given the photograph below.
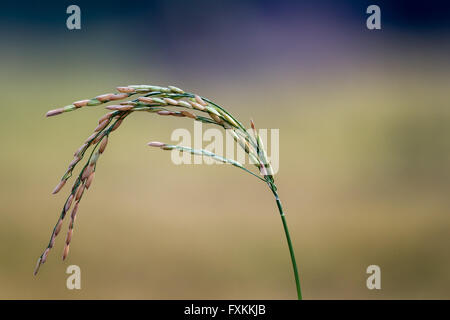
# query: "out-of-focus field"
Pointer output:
{"type": "Point", "coordinates": [364, 177]}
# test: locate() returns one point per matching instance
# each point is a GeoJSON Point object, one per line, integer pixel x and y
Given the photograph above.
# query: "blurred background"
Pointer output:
{"type": "Point", "coordinates": [364, 150]}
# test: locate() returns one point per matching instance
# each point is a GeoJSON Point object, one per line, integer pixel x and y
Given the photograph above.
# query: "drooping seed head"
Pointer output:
{"type": "Point", "coordinates": [54, 112]}
{"type": "Point", "coordinates": [59, 186]}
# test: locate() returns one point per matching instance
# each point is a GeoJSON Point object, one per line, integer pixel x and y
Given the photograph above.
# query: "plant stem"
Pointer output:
{"type": "Point", "coordinates": [291, 248]}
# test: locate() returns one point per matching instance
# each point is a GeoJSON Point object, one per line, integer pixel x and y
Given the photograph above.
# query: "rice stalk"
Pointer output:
{"type": "Point", "coordinates": [162, 101]}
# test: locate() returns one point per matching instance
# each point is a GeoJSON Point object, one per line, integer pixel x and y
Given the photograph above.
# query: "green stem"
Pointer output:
{"type": "Point", "coordinates": [291, 248]}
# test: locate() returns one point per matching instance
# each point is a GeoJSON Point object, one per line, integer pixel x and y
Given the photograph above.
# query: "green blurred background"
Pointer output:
{"type": "Point", "coordinates": [364, 151]}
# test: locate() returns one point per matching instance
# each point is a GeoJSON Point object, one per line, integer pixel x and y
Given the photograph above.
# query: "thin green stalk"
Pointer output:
{"type": "Point", "coordinates": [291, 248]}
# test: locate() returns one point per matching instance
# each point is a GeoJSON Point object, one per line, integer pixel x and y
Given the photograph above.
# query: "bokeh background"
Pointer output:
{"type": "Point", "coordinates": [364, 150]}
